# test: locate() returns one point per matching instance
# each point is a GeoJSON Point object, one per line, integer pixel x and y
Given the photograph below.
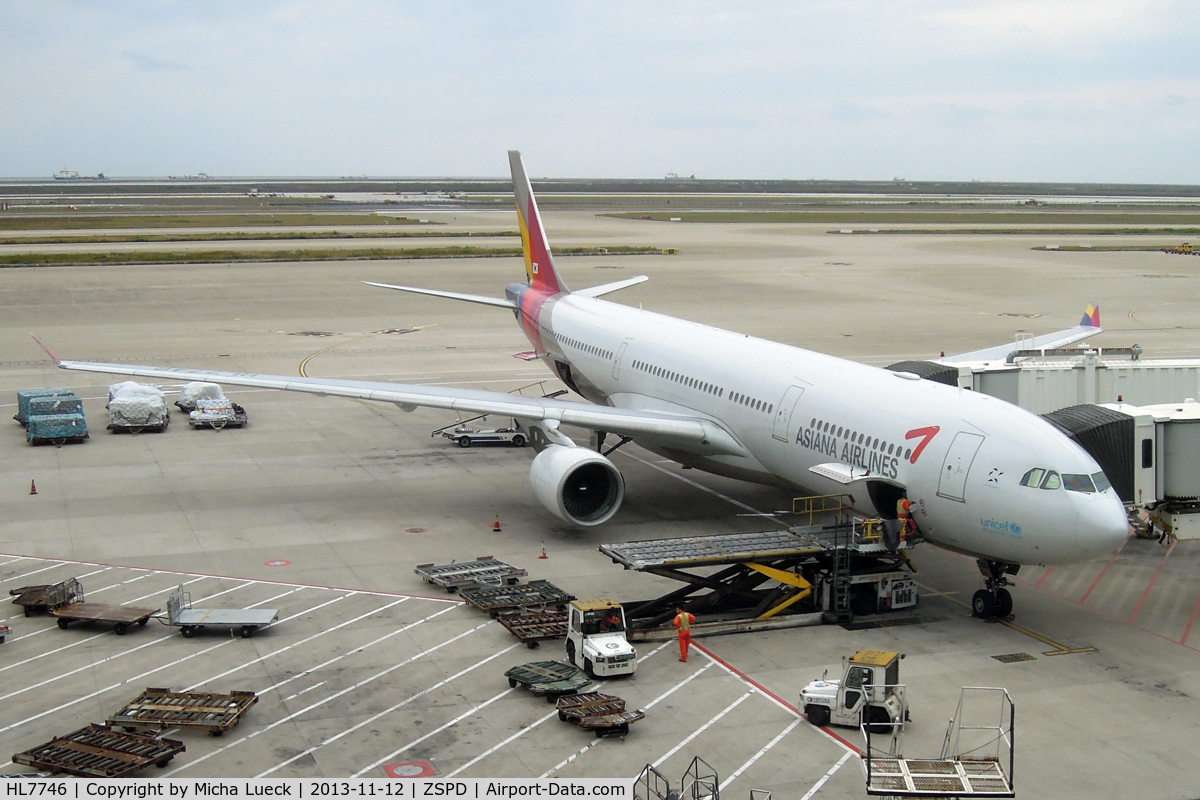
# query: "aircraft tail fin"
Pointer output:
{"type": "Point", "coordinates": [539, 263]}
{"type": "Point", "coordinates": [1091, 317]}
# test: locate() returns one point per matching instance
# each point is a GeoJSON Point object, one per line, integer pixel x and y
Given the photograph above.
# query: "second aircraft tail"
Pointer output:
{"type": "Point", "coordinates": [539, 263]}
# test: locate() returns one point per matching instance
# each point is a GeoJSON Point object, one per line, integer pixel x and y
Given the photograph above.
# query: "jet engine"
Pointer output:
{"type": "Point", "coordinates": [578, 485]}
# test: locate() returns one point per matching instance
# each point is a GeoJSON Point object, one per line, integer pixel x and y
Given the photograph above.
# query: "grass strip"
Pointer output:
{"type": "Point", "coordinates": [246, 236]}
{"type": "Point", "coordinates": [348, 254]}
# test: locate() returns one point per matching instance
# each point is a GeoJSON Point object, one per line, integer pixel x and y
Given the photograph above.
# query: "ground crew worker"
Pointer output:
{"type": "Point", "coordinates": [683, 621]}
{"type": "Point", "coordinates": [904, 514]}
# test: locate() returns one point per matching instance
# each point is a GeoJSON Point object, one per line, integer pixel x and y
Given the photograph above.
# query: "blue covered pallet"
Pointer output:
{"type": "Point", "coordinates": [46, 405]}
{"type": "Point", "coordinates": [56, 428]}
{"type": "Point", "coordinates": [26, 395]}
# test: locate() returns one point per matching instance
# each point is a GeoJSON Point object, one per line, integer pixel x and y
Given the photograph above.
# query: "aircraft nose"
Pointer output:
{"type": "Point", "coordinates": [1103, 525]}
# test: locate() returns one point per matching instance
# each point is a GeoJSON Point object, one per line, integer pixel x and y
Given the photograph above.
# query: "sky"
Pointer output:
{"type": "Point", "coordinates": [1098, 91]}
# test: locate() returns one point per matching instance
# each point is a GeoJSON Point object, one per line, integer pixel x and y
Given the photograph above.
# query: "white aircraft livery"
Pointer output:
{"type": "Point", "coordinates": [983, 477]}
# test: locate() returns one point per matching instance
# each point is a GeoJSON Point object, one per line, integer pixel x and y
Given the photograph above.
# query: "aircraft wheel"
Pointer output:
{"type": "Point", "coordinates": [983, 604]}
{"type": "Point", "coordinates": [1004, 603]}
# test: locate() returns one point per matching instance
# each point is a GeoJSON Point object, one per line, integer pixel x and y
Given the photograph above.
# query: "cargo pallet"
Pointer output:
{"type": "Point", "coordinates": [135, 429]}
{"type": "Point", "coordinates": [162, 708]}
{"type": "Point", "coordinates": [100, 752]}
{"type": "Point", "coordinates": [533, 628]}
{"type": "Point", "coordinates": [246, 621]}
{"type": "Point", "coordinates": [26, 396]}
{"type": "Point", "coordinates": [483, 571]}
{"type": "Point", "coordinates": [46, 597]}
{"type": "Point", "coordinates": [550, 679]}
{"type": "Point", "coordinates": [533, 596]}
{"type": "Point", "coordinates": [604, 713]}
{"type": "Point", "coordinates": [240, 420]}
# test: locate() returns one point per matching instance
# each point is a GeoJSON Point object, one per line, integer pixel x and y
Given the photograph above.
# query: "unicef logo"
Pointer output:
{"type": "Point", "coordinates": [1014, 527]}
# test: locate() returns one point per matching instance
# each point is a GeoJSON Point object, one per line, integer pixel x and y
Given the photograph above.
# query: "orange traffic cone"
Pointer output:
{"type": "Point", "coordinates": [32, 487]}
{"type": "Point", "coordinates": [543, 555]}
{"type": "Point", "coordinates": [496, 524]}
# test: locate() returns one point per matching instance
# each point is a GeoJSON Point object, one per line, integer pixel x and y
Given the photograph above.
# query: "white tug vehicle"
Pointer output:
{"type": "Point", "coordinates": [596, 639]}
{"type": "Point", "coordinates": [869, 693]}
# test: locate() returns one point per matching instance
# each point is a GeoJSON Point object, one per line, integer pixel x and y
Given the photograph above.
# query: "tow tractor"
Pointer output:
{"type": "Point", "coordinates": [596, 637]}
{"type": "Point", "coordinates": [868, 693]}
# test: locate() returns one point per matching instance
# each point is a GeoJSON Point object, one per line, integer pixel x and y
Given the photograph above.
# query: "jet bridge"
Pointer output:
{"type": "Point", "coordinates": [766, 579]}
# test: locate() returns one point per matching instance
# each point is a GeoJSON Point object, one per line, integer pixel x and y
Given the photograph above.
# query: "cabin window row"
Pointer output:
{"type": "Point", "coordinates": [587, 348]}
{"type": "Point", "coordinates": [675, 377]}
{"type": "Point", "coordinates": [865, 439]}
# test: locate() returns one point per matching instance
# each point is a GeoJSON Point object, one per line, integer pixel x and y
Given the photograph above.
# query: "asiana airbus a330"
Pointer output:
{"type": "Point", "coordinates": [984, 477]}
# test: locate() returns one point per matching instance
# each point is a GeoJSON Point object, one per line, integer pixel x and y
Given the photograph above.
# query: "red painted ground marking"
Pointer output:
{"type": "Point", "coordinates": [1083, 600]}
{"type": "Point", "coordinates": [1157, 572]}
{"type": "Point", "coordinates": [1191, 621]}
{"type": "Point", "coordinates": [282, 562]}
{"type": "Point", "coordinates": [410, 769]}
{"type": "Point", "coordinates": [769, 693]}
{"type": "Point", "coordinates": [1045, 575]}
{"type": "Point", "coordinates": [416, 530]}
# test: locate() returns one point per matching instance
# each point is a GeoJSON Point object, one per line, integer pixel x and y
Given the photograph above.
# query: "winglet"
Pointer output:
{"type": "Point", "coordinates": [1091, 317]}
{"type": "Point", "coordinates": [539, 263]}
{"type": "Point", "coordinates": [57, 360]}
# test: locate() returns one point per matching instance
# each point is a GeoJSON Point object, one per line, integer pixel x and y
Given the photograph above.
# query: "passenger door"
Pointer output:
{"type": "Point", "coordinates": [952, 484]}
{"type": "Point", "coordinates": [617, 361]}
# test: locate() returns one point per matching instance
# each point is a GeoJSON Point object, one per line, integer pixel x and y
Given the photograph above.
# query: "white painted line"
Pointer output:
{"type": "Point", "coordinates": [168, 589]}
{"type": "Point", "coordinates": [817, 786]}
{"type": "Point", "coordinates": [114, 585]}
{"type": "Point", "coordinates": [138, 677]}
{"type": "Point", "coordinates": [387, 711]}
{"type": "Point", "coordinates": [303, 691]}
{"type": "Point", "coordinates": [704, 727]}
{"type": "Point", "coordinates": [651, 704]}
{"type": "Point", "coordinates": [12, 561]}
{"type": "Point", "coordinates": [766, 748]}
{"type": "Point", "coordinates": [304, 641]}
{"type": "Point", "coordinates": [35, 572]}
{"type": "Point", "coordinates": [439, 729]}
{"type": "Point", "coordinates": [791, 711]}
{"type": "Point", "coordinates": [52, 652]}
{"type": "Point", "coordinates": [331, 697]}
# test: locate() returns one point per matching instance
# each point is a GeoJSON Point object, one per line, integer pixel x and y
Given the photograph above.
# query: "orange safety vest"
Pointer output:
{"type": "Point", "coordinates": [903, 508]}
{"type": "Point", "coordinates": [684, 621]}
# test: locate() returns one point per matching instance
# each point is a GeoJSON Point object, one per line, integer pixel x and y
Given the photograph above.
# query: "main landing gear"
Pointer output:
{"type": "Point", "coordinates": [994, 601]}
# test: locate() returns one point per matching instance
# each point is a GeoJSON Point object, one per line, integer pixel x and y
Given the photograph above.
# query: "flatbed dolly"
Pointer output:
{"type": "Point", "coordinates": [162, 708]}
{"type": "Point", "coordinates": [533, 628]}
{"type": "Point", "coordinates": [240, 419]}
{"type": "Point", "coordinates": [121, 617]}
{"type": "Point", "coordinates": [246, 621]}
{"type": "Point", "coordinates": [549, 679]}
{"type": "Point", "coordinates": [604, 713]}
{"type": "Point", "coordinates": [483, 571]}
{"type": "Point", "coordinates": [536, 595]}
{"type": "Point", "coordinates": [45, 597]}
{"type": "Point", "coordinates": [100, 752]}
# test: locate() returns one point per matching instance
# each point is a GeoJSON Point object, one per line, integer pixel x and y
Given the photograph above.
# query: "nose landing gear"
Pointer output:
{"type": "Point", "coordinates": [995, 601]}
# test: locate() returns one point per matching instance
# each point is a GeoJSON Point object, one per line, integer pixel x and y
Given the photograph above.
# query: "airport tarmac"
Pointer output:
{"type": "Point", "coordinates": [322, 507]}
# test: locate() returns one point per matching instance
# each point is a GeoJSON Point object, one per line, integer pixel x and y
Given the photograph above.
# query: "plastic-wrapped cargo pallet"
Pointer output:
{"type": "Point", "coordinates": [215, 413]}
{"type": "Point", "coordinates": [137, 407]}
{"type": "Point", "coordinates": [25, 396]}
{"type": "Point", "coordinates": [56, 428]}
{"type": "Point", "coordinates": [190, 393]}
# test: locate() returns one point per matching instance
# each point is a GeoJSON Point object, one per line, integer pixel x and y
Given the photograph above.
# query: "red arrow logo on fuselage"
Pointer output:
{"type": "Point", "coordinates": [926, 435]}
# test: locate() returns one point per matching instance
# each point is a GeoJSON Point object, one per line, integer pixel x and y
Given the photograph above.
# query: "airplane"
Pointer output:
{"type": "Point", "coordinates": [984, 478]}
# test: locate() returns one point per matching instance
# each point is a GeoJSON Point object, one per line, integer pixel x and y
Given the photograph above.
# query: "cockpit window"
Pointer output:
{"type": "Point", "coordinates": [1052, 481]}
{"type": "Point", "coordinates": [1078, 483]}
{"type": "Point", "coordinates": [1034, 477]}
{"type": "Point", "coordinates": [1101, 481]}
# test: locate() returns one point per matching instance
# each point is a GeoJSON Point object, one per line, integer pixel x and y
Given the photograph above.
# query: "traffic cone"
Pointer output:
{"type": "Point", "coordinates": [496, 524]}
{"type": "Point", "coordinates": [33, 487]}
{"type": "Point", "coordinates": [543, 555]}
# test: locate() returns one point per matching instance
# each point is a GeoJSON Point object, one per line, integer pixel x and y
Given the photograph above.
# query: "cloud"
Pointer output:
{"type": "Point", "coordinates": [144, 63]}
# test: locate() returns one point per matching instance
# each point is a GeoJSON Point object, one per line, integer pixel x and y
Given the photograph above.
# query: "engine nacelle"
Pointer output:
{"type": "Point", "coordinates": [578, 485]}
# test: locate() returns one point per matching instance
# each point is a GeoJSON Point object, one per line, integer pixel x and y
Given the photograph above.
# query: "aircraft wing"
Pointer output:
{"type": "Point", "coordinates": [1088, 326]}
{"type": "Point", "coordinates": [691, 432]}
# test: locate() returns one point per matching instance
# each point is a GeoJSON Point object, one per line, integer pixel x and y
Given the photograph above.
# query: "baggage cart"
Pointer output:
{"type": "Point", "coordinates": [57, 429]}
{"type": "Point", "coordinates": [550, 679]}
{"type": "Point", "coordinates": [536, 595]}
{"type": "Point", "coordinates": [603, 713]}
{"type": "Point", "coordinates": [46, 597]}
{"type": "Point", "coordinates": [100, 752]}
{"type": "Point", "coordinates": [218, 415]}
{"type": "Point", "coordinates": [121, 617]}
{"type": "Point", "coordinates": [483, 571]}
{"type": "Point", "coordinates": [532, 628]}
{"type": "Point", "coordinates": [162, 708]}
{"type": "Point", "coordinates": [25, 395]}
{"type": "Point", "coordinates": [191, 620]}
